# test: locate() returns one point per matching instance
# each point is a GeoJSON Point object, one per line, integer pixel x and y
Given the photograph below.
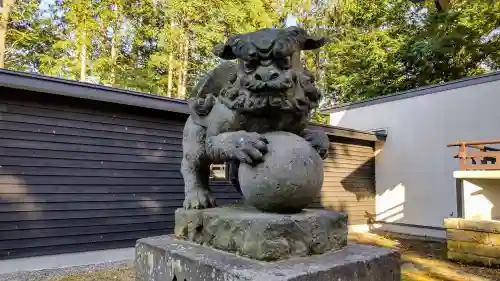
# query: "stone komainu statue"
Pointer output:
{"type": "Point", "coordinates": [267, 89]}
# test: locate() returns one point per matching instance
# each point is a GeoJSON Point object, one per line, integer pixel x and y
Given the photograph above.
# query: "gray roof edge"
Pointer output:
{"type": "Point", "coordinates": [57, 86]}
{"type": "Point", "coordinates": [431, 89]}
{"type": "Point", "coordinates": [349, 133]}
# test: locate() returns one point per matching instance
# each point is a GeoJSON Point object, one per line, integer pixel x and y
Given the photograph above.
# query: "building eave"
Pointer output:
{"type": "Point", "coordinates": [80, 90]}
{"type": "Point", "coordinates": [432, 89]}
{"type": "Point", "coordinates": [75, 89]}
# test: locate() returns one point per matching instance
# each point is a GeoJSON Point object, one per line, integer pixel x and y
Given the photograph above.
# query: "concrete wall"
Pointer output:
{"type": "Point", "coordinates": [414, 168]}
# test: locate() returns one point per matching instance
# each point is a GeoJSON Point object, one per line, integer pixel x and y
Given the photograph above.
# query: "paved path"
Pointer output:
{"type": "Point", "coordinates": [39, 268]}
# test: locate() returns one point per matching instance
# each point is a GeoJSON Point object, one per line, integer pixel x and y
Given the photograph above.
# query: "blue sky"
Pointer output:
{"type": "Point", "coordinates": [45, 3]}
{"type": "Point", "coordinates": [291, 20]}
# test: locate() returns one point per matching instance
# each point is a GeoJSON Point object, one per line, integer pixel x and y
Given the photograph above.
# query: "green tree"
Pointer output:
{"type": "Point", "coordinates": [24, 32]}
{"type": "Point", "coordinates": [383, 46]}
{"type": "Point", "coordinates": [197, 25]}
{"type": "Point", "coordinates": [111, 25]}
{"type": "Point", "coordinates": [81, 16]}
{"type": "Point", "coordinates": [156, 46]}
{"type": "Point", "coordinates": [452, 45]}
{"type": "Point", "coordinates": [5, 13]}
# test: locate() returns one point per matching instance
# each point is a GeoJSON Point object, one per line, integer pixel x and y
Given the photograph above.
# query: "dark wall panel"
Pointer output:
{"type": "Point", "coordinates": [78, 175]}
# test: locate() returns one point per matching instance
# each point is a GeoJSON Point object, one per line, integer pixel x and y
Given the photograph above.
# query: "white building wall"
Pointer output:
{"type": "Point", "coordinates": [414, 168]}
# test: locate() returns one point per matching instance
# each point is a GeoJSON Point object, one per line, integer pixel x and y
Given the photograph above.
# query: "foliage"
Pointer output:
{"type": "Point", "coordinates": [384, 46]}
{"type": "Point", "coordinates": [162, 47]}
{"type": "Point", "coordinates": [156, 46]}
{"type": "Point", "coordinates": [27, 36]}
{"type": "Point", "coordinates": [318, 117]}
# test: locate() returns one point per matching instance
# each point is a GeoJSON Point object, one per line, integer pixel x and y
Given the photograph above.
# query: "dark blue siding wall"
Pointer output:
{"type": "Point", "coordinates": [79, 175]}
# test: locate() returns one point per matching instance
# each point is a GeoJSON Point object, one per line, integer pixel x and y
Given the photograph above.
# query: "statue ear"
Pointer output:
{"type": "Point", "coordinates": [306, 41]}
{"type": "Point", "coordinates": [314, 42]}
{"type": "Point", "coordinates": [224, 51]}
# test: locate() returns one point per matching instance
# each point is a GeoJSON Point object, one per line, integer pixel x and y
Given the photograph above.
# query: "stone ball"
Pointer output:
{"type": "Point", "coordinates": [288, 179]}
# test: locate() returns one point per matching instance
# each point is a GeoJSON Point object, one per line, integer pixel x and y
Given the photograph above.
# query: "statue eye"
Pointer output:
{"type": "Point", "coordinates": [250, 66]}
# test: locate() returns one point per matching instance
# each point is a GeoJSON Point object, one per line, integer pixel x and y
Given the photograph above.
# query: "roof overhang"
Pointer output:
{"type": "Point", "coordinates": [80, 90]}
{"type": "Point", "coordinates": [431, 89]}
{"type": "Point", "coordinates": [75, 89]}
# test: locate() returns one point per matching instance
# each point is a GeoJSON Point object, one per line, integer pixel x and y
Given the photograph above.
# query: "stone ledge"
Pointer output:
{"type": "Point", "coordinates": [476, 175]}
{"type": "Point", "coordinates": [471, 258]}
{"type": "Point", "coordinates": [491, 226]}
{"type": "Point", "coordinates": [473, 241]}
{"type": "Point", "coordinates": [165, 257]}
{"type": "Point", "coordinates": [478, 249]}
{"type": "Point", "coordinates": [484, 238]}
{"type": "Point", "coordinates": [263, 236]}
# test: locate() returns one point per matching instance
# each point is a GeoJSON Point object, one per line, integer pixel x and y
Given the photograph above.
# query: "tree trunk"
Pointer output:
{"type": "Point", "coordinates": [317, 66]}
{"type": "Point", "coordinates": [113, 61]}
{"type": "Point", "coordinates": [170, 74]}
{"type": "Point", "coordinates": [180, 70]}
{"type": "Point", "coordinates": [4, 22]}
{"type": "Point", "coordinates": [113, 46]}
{"type": "Point", "coordinates": [83, 63]}
{"type": "Point", "coordinates": [442, 5]}
{"type": "Point", "coordinates": [185, 61]}
{"type": "Point", "coordinates": [170, 66]}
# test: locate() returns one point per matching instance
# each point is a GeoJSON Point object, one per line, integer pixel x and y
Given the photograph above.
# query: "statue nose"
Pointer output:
{"type": "Point", "coordinates": [266, 75]}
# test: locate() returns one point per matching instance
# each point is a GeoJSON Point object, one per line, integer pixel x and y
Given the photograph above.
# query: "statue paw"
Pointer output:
{"type": "Point", "coordinates": [319, 141]}
{"type": "Point", "coordinates": [248, 147]}
{"type": "Point", "coordinates": [199, 199]}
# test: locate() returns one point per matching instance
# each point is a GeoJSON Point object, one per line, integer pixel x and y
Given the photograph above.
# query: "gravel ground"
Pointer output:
{"type": "Point", "coordinates": [41, 275]}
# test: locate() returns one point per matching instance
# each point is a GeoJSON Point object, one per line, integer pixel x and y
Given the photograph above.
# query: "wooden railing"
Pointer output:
{"type": "Point", "coordinates": [484, 159]}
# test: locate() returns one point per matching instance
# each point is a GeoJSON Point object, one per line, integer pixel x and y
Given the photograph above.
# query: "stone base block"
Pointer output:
{"type": "Point", "coordinates": [263, 236]}
{"type": "Point", "coordinates": [473, 259]}
{"type": "Point", "coordinates": [488, 226]}
{"type": "Point", "coordinates": [473, 241]}
{"type": "Point", "coordinates": [166, 258]}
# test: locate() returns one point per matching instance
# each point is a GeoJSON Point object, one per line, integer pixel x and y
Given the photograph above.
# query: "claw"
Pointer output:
{"type": "Point", "coordinates": [323, 153]}
{"type": "Point", "coordinates": [199, 200]}
{"type": "Point", "coordinates": [319, 141]}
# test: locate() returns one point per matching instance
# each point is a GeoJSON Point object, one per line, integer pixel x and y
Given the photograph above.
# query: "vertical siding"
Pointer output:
{"type": "Point", "coordinates": [78, 175]}
{"type": "Point", "coordinates": [349, 183]}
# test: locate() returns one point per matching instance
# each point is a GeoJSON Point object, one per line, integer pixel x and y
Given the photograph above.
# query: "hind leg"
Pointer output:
{"type": "Point", "coordinates": [195, 168]}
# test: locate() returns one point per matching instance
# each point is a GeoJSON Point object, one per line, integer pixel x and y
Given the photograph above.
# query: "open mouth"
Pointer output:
{"type": "Point", "coordinates": [274, 87]}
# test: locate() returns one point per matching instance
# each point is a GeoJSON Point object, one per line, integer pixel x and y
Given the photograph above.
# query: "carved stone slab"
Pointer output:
{"type": "Point", "coordinates": [166, 258]}
{"type": "Point", "coordinates": [263, 236]}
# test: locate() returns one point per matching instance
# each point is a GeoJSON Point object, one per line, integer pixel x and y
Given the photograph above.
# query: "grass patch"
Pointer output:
{"type": "Point", "coordinates": [426, 260]}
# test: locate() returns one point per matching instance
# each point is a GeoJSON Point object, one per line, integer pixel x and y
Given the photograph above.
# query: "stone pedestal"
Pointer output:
{"type": "Point", "coordinates": [473, 241]}
{"type": "Point", "coordinates": [240, 243]}
{"type": "Point", "coordinates": [167, 258]}
{"type": "Point", "coordinates": [249, 232]}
